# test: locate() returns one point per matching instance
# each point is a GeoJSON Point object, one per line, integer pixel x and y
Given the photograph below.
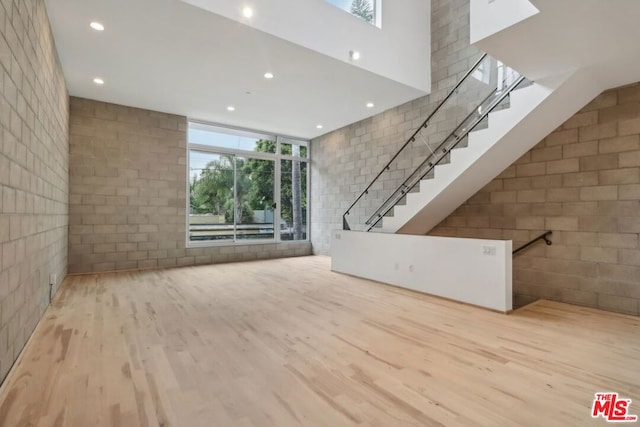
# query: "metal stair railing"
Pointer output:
{"type": "Point", "coordinates": [440, 153]}
{"type": "Point", "coordinates": [544, 236]}
{"type": "Point", "coordinates": [487, 80]}
{"type": "Point", "coordinates": [412, 138]}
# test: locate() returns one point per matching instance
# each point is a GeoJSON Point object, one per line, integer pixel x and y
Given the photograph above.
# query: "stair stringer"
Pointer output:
{"type": "Point", "coordinates": [509, 136]}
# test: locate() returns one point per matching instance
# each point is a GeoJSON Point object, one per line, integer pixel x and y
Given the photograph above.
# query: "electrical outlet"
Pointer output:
{"type": "Point", "coordinates": [411, 268]}
{"type": "Point", "coordinates": [489, 250]}
{"type": "Point", "coordinates": [338, 236]}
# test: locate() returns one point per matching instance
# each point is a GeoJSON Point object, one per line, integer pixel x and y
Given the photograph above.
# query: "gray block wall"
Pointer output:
{"type": "Point", "coordinates": [346, 160]}
{"type": "Point", "coordinates": [34, 168]}
{"type": "Point", "coordinates": [128, 194]}
{"type": "Point", "coordinates": [583, 183]}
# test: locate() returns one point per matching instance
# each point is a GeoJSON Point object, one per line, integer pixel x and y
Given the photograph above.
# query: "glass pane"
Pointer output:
{"type": "Point", "coordinates": [292, 147]}
{"type": "Point", "coordinates": [368, 10]}
{"type": "Point", "coordinates": [293, 200]}
{"type": "Point", "coordinates": [485, 89]}
{"type": "Point", "coordinates": [227, 138]}
{"type": "Point", "coordinates": [254, 200]}
{"type": "Point", "coordinates": [211, 208]}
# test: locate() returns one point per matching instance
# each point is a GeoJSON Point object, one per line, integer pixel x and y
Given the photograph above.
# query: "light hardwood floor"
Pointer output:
{"type": "Point", "coordinates": [289, 343]}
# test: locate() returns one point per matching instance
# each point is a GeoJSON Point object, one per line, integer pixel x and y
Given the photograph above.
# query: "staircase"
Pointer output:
{"type": "Point", "coordinates": [503, 126]}
{"type": "Point", "coordinates": [510, 133]}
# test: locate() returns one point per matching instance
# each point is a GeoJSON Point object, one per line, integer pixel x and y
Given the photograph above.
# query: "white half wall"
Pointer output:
{"type": "Point", "coordinates": [473, 271]}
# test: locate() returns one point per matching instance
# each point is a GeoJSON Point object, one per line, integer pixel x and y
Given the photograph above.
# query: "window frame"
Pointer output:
{"type": "Point", "coordinates": [276, 157]}
{"type": "Point", "coordinates": [377, 9]}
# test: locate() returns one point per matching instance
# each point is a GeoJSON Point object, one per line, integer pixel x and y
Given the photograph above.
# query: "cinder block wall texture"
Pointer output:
{"type": "Point", "coordinates": [34, 161]}
{"type": "Point", "coordinates": [345, 161]}
{"type": "Point", "coordinates": [128, 194]}
{"type": "Point", "coordinates": [583, 183]}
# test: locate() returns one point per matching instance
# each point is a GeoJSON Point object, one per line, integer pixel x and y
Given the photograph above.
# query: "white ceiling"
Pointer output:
{"type": "Point", "coordinates": [399, 49]}
{"type": "Point", "coordinates": [600, 37]}
{"type": "Point", "coordinates": [168, 56]}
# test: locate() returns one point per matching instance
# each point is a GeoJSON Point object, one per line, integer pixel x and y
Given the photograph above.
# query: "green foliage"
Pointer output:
{"type": "Point", "coordinates": [286, 191]}
{"type": "Point", "coordinates": [362, 8]}
{"type": "Point", "coordinates": [262, 174]}
{"type": "Point", "coordinates": [212, 191]}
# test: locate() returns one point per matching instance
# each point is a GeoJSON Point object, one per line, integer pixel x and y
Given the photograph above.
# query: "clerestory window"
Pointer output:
{"type": "Point", "coordinates": [367, 10]}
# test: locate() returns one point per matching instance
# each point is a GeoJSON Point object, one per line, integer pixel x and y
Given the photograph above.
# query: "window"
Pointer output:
{"type": "Point", "coordinates": [293, 190]}
{"type": "Point", "coordinates": [368, 10]}
{"type": "Point", "coordinates": [245, 186]}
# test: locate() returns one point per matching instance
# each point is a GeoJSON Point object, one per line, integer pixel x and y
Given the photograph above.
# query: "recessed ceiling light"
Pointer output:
{"type": "Point", "coordinates": [97, 26]}
{"type": "Point", "coordinates": [268, 75]}
{"type": "Point", "coordinates": [98, 81]}
{"type": "Point", "coordinates": [231, 108]}
{"type": "Point", "coordinates": [247, 12]}
{"type": "Point", "coordinates": [319, 127]}
{"type": "Point", "coordinates": [354, 55]}
{"type": "Point", "coordinates": [370, 105]}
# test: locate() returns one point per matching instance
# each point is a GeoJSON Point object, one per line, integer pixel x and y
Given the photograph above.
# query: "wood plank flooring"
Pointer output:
{"type": "Point", "coordinates": [289, 343]}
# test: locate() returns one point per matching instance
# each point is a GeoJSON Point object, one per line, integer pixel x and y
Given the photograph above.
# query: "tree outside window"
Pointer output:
{"type": "Point", "coordinates": [251, 202]}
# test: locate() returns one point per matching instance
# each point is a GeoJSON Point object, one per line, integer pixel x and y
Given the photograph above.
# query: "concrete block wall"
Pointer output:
{"type": "Point", "coordinates": [346, 160]}
{"type": "Point", "coordinates": [34, 162]}
{"type": "Point", "coordinates": [128, 194]}
{"type": "Point", "coordinates": [583, 183]}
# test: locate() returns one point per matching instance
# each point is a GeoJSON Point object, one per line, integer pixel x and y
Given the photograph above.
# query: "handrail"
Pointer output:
{"type": "Point", "coordinates": [411, 139]}
{"type": "Point", "coordinates": [405, 187]}
{"type": "Point", "coordinates": [540, 237]}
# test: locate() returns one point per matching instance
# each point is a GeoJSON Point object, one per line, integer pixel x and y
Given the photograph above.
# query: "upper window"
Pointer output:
{"type": "Point", "coordinates": [245, 186]}
{"type": "Point", "coordinates": [229, 138]}
{"type": "Point", "coordinates": [368, 10]}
